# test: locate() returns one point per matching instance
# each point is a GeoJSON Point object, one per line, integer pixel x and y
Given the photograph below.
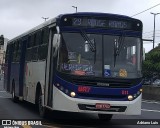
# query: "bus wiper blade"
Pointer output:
{"type": "Point", "coordinates": [120, 45]}
{"type": "Point", "coordinates": [92, 44]}
{"type": "Point", "coordinates": [117, 47]}
{"type": "Point", "coordinates": [86, 38]}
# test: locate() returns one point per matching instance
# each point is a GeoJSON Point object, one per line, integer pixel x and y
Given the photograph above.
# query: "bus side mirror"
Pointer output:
{"type": "Point", "coordinates": [56, 40]}
{"type": "Point", "coordinates": [1, 40]}
{"type": "Point", "coordinates": [56, 43]}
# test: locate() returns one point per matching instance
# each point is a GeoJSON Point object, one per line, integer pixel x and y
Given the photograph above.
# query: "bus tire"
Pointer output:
{"type": "Point", "coordinates": [41, 108]}
{"type": "Point", "coordinates": [14, 98]}
{"type": "Point", "coordinates": [105, 117]}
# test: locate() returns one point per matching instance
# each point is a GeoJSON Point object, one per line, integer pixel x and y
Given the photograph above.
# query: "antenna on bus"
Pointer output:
{"type": "Point", "coordinates": [45, 18]}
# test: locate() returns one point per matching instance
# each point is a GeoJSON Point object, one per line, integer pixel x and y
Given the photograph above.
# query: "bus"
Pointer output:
{"type": "Point", "coordinates": [82, 62]}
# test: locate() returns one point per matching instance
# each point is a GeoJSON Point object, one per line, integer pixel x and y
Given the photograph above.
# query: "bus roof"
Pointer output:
{"type": "Point", "coordinates": [54, 20]}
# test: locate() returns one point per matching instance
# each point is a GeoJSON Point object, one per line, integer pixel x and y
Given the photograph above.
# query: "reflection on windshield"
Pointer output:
{"type": "Point", "coordinates": [75, 58]}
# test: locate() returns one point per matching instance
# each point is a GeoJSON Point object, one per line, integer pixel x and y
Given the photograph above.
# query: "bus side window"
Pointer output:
{"type": "Point", "coordinates": [18, 50]}
{"type": "Point", "coordinates": [46, 36]}
{"type": "Point", "coordinates": [42, 52]}
{"type": "Point", "coordinates": [34, 53]}
{"type": "Point", "coordinates": [29, 42]}
{"type": "Point", "coordinates": [29, 52]}
{"type": "Point", "coordinates": [32, 40]}
{"type": "Point", "coordinates": [41, 38]}
{"type": "Point", "coordinates": [14, 52]}
{"type": "Point", "coordinates": [38, 40]}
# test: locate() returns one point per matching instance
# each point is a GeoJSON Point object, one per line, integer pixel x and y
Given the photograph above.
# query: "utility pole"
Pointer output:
{"type": "Point", "coordinates": [75, 8]}
{"type": "Point", "coordinates": [45, 18]}
{"type": "Point", "coordinates": [154, 27]}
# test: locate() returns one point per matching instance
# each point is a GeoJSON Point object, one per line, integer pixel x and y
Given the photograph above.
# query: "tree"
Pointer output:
{"type": "Point", "coordinates": [151, 66]}
{"type": "Point", "coordinates": [1, 40]}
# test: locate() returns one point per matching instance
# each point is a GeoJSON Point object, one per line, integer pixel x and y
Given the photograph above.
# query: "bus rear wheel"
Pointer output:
{"type": "Point", "coordinates": [41, 108]}
{"type": "Point", "coordinates": [14, 98]}
{"type": "Point", "coordinates": [105, 117]}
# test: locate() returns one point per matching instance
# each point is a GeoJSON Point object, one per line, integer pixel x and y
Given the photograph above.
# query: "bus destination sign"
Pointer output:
{"type": "Point", "coordinates": [96, 23]}
{"type": "Point", "coordinates": [100, 23]}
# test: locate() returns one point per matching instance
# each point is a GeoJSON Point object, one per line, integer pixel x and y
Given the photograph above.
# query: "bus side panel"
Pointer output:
{"type": "Point", "coordinates": [34, 73]}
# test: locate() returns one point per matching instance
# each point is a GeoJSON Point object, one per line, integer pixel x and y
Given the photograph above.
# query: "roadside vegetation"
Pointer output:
{"type": "Point", "coordinates": [151, 65]}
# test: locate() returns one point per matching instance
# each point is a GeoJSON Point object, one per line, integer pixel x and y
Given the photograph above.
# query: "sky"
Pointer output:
{"type": "Point", "coordinates": [18, 16]}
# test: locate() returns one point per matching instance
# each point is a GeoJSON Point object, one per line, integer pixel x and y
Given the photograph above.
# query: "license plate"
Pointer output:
{"type": "Point", "coordinates": [102, 106]}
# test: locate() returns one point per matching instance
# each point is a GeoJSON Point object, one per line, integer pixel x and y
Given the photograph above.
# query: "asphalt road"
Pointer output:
{"type": "Point", "coordinates": [25, 111]}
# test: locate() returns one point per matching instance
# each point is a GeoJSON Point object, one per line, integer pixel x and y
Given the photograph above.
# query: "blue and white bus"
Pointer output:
{"type": "Point", "coordinates": [80, 62]}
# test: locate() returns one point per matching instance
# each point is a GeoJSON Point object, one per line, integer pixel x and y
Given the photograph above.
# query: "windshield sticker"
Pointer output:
{"type": "Point", "coordinates": [107, 71]}
{"type": "Point", "coordinates": [79, 72]}
{"type": "Point", "coordinates": [90, 73]}
{"type": "Point", "coordinates": [74, 67]}
{"type": "Point", "coordinates": [122, 73]}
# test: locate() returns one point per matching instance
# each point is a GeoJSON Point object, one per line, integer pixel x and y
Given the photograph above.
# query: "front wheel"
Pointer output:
{"type": "Point", "coordinates": [105, 117]}
{"type": "Point", "coordinates": [41, 108]}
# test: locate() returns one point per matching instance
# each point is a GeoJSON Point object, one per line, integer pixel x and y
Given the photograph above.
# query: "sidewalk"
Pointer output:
{"type": "Point", "coordinates": [1, 85]}
{"type": "Point", "coordinates": [3, 93]}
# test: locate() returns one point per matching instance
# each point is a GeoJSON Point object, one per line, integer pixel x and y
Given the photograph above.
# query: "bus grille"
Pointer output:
{"type": "Point", "coordinates": [102, 96]}
{"type": "Point", "coordinates": [109, 84]}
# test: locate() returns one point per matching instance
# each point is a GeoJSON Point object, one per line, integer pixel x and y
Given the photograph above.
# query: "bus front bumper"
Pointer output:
{"type": "Point", "coordinates": [62, 102]}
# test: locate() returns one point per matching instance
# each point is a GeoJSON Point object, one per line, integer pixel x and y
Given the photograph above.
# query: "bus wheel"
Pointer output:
{"type": "Point", "coordinates": [14, 98]}
{"type": "Point", "coordinates": [41, 108]}
{"type": "Point", "coordinates": [105, 117]}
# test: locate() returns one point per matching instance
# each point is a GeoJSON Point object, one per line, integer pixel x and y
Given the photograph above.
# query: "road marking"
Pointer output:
{"type": "Point", "coordinates": [5, 97]}
{"type": "Point", "coordinates": [2, 91]}
{"type": "Point", "coordinates": [150, 110]}
{"type": "Point", "coordinates": [151, 101]}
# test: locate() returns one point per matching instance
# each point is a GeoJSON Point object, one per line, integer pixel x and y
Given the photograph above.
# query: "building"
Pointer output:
{"type": "Point", "coordinates": [2, 55]}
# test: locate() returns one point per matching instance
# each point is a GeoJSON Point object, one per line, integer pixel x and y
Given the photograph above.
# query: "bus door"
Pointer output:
{"type": "Point", "coordinates": [22, 65]}
{"type": "Point", "coordinates": [50, 71]}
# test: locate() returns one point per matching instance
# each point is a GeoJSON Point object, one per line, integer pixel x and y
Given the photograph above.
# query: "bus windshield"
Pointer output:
{"type": "Point", "coordinates": [76, 56]}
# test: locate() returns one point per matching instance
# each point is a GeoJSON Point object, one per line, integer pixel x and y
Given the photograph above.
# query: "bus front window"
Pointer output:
{"type": "Point", "coordinates": [125, 61]}
{"type": "Point", "coordinates": [95, 56]}
{"type": "Point", "coordinates": [77, 55]}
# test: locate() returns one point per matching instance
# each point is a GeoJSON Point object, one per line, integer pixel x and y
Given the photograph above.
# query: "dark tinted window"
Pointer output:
{"type": "Point", "coordinates": [42, 52]}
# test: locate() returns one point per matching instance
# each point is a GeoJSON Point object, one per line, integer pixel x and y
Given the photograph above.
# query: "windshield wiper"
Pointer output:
{"type": "Point", "coordinates": [118, 47]}
{"type": "Point", "coordinates": [92, 44]}
{"type": "Point", "coordinates": [86, 38]}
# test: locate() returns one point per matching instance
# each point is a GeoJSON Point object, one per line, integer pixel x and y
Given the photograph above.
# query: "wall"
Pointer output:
{"type": "Point", "coordinates": [151, 92]}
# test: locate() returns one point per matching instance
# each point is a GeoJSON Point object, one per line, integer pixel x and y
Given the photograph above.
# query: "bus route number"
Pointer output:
{"type": "Point", "coordinates": [77, 21]}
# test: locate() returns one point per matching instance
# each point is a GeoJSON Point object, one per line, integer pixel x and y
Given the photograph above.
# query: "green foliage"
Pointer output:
{"type": "Point", "coordinates": [152, 63]}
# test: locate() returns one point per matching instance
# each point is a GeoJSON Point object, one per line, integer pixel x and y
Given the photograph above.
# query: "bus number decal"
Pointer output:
{"type": "Point", "coordinates": [125, 92]}
{"type": "Point", "coordinates": [84, 89]}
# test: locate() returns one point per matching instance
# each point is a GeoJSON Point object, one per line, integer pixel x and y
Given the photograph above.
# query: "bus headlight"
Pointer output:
{"type": "Point", "coordinates": [73, 94]}
{"type": "Point", "coordinates": [130, 97]}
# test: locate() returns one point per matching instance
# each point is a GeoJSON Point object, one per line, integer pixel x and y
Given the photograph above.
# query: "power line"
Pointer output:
{"type": "Point", "coordinates": [150, 32]}
{"type": "Point", "coordinates": [146, 10]}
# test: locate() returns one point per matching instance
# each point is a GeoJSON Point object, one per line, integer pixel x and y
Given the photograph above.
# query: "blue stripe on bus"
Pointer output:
{"type": "Point", "coordinates": [103, 31]}
{"type": "Point", "coordinates": [99, 90]}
